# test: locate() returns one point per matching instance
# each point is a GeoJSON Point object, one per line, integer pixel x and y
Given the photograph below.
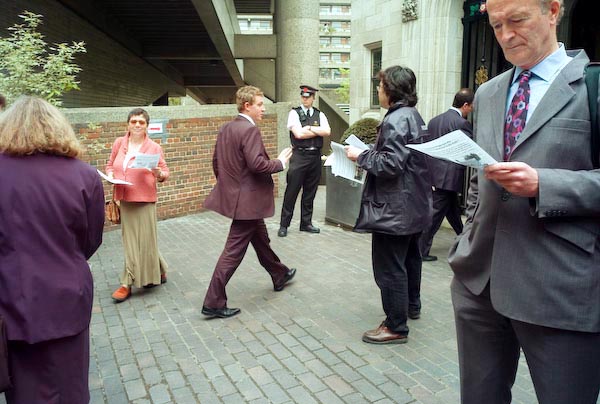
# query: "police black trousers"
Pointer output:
{"type": "Point", "coordinates": [304, 173]}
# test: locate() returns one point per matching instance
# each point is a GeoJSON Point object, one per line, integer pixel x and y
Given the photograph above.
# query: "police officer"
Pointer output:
{"type": "Point", "coordinates": [307, 127]}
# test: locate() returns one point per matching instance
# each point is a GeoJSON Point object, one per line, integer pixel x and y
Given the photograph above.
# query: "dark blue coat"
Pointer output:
{"type": "Point", "coordinates": [396, 197]}
{"type": "Point", "coordinates": [445, 174]}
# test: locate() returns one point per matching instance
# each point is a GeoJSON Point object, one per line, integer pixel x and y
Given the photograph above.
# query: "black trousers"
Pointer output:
{"type": "Point", "coordinates": [397, 270]}
{"type": "Point", "coordinates": [445, 204]}
{"type": "Point", "coordinates": [564, 365]}
{"type": "Point", "coordinates": [304, 173]}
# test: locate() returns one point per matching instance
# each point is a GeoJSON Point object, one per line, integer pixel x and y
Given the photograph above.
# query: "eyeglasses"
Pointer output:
{"type": "Point", "coordinates": [136, 121]}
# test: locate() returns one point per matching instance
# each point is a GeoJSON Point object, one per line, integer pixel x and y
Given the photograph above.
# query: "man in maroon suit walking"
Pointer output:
{"type": "Point", "coordinates": [244, 192]}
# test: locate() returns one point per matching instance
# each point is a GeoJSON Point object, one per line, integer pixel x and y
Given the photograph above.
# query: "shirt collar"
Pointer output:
{"type": "Point", "coordinates": [248, 118]}
{"type": "Point", "coordinates": [548, 68]}
{"type": "Point", "coordinates": [457, 110]}
{"type": "Point", "coordinates": [306, 110]}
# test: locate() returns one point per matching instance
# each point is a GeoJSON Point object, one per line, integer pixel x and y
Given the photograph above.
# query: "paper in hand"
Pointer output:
{"type": "Point", "coordinates": [113, 180]}
{"type": "Point", "coordinates": [456, 147]}
{"type": "Point", "coordinates": [148, 161]}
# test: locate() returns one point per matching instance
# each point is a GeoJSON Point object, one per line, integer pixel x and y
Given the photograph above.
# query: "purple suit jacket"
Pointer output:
{"type": "Point", "coordinates": [51, 222]}
{"type": "Point", "coordinates": [244, 188]}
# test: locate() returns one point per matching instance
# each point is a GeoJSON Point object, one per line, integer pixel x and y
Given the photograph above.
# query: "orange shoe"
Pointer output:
{"type": "Point", "coordinates": [121, 294]}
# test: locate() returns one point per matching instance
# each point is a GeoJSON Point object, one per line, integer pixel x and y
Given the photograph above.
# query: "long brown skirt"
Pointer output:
{"type": "Point", "coordinates": [143, 262]}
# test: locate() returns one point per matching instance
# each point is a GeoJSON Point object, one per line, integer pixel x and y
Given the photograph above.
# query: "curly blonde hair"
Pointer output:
{"type": "Point", "coordinates": [32, 125]}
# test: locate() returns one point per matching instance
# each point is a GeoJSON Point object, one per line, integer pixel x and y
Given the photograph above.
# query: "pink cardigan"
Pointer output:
{"type": "Point", "coordinates": [144, 182]}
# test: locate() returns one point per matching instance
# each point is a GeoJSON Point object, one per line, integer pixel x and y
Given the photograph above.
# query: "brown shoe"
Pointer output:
{"type": "Point", "coordinates": [376, 331]}
{"type": "Point", "coordinates": [385, 336]}
{"type": "Point", "coordinates": [121, 294]}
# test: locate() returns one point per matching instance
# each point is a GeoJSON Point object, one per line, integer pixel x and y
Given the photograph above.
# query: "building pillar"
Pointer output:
{"type": "Point", "coordinates": [297, 28]}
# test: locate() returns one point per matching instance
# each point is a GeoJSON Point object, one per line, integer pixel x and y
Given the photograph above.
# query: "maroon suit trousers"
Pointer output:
{"type": "Point", "coordinates": [242, 233]}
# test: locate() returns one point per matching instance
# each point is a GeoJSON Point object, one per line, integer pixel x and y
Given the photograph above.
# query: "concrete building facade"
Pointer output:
{"type": "Point", "coordinates": [385, 34]}
{"type": "Point", "coordinates": [334, 42]}
{"type": "Point", "coordinates": [448, 43]}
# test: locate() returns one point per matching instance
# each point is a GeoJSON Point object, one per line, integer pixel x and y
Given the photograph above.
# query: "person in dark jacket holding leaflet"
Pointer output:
{"type": "Point", "coordinates": [396, 204]}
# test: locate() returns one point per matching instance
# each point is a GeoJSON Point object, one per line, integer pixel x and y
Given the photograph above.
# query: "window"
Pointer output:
{"type": "Point", "coordinates": [337, 74]}
{"type": "Point", "coordinates": [336, 57]}
{"type": "Point", "coordinates": [324, 41]}
{"type": "Point", "coordinates": [324, 73]}
{"type": "Point", "coordinates": [375, 68]}
{"type": "Point", "coordinates": [324, 57]}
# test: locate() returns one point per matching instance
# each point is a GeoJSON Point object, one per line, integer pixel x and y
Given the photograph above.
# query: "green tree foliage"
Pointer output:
{"type": "Point", "coordinates": [28, 65]}
{"type": "Point", "coordinates": [343, 91]}
{"type": "Point", "coordinates": [365, 129]}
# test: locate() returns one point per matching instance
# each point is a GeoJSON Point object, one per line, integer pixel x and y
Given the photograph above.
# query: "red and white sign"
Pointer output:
{"type": "Point", "coordinates": [155, 128]}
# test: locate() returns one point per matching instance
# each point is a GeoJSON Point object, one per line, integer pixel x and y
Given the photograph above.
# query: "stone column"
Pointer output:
{"type": "Point", "coordinates": [297, 29]}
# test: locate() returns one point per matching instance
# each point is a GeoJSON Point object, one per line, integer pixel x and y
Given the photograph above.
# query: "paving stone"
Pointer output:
{"type": "Point", "coordinates": [135, 389]}
{"type": "Point", "coordinates": [160, 394]}
{"type": "Point", "coordinates": [290, 347]}
{"type": "Point", "coordinates": [274, 393]}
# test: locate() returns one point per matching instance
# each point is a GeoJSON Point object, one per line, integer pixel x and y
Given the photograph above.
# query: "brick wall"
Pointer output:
{"type": "Point", "coordinates": [188, 147]}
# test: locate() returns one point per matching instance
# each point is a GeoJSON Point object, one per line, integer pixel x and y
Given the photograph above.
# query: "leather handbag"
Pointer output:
{"type": "Point", "coordinates": [112, 211]}
{"type": "Point", "coordinates": [5, 383]}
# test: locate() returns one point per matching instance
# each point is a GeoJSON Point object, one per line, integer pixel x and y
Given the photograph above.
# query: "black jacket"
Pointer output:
{"type": "Point", "coordinates": [397, 195]}
{"type": "Point", "coordinates": [445, 174]}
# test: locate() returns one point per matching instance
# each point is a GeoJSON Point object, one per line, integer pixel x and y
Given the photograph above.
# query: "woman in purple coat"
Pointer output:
{"type": "Point", "coordinates": [51, 221]}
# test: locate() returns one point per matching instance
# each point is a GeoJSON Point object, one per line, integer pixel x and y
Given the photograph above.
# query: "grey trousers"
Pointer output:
{"type": "Point", "coordinates": [564, 365]}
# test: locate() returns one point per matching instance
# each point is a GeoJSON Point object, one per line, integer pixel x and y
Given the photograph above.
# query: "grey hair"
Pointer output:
{"type": "Point", "coordinates": [545, 5]}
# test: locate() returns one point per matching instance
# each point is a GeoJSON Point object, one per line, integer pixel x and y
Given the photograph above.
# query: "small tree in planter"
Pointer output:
{"type": "Point", "coordinates": [365, 129]}
{"type": "Point", "coordinates": [343, 196]}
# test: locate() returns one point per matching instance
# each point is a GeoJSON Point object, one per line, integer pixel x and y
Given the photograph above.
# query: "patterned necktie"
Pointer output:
{"type": "Point", "coordinates": [517, 114]}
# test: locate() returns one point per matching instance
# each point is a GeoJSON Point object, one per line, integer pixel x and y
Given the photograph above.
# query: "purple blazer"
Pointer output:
{"type": "Point", "coordinates": [244, 188]}
{"type": "Point", "coordinates": [51, 222]}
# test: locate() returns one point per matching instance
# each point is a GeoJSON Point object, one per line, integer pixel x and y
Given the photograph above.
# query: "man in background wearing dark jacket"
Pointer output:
{"type": "Point", "coordinates": [447, 177]}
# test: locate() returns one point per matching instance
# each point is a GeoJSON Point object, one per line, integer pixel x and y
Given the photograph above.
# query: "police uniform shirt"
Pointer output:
{"type": "Point", "coordinates": [294, 119]}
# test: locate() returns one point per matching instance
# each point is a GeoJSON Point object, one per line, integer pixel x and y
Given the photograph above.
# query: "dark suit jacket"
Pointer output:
{"type": "Point", "coordinates": [244, 188]}
{"type": "Point", "coordinates": [51, 222]}
{"type": "Point", "coordinates": [445, 174]}
{"type": "Point", "coordinates": [541, 256]}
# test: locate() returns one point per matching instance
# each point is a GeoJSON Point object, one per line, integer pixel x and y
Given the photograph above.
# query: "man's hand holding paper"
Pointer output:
{"type": "Point", "coordinates": [518, 178]}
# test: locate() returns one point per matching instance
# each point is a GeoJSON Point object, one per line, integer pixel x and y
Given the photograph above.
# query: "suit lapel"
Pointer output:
{"type": "Point", "coordinates": [558, 95]}
{"type": "Point", "coordinates": [498, 110]}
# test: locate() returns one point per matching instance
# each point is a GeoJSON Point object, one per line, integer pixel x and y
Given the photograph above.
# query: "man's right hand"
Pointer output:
{"type": "Point", "coordinates": [285, 155]}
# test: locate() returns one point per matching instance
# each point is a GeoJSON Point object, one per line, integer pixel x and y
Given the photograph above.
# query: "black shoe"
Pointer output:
{"type": "Point", "coordinates": [427, 258]}
{"type": "Point", "coordinates": [288, 277]}
{"type": "Point", "coordinates": [310, 228]}
{"type": "Point", "coordinates": [414, 314]}
{"type": "Point", "coordinates": [282, 231]}
{"type": "Point", "coordinates": [221, 313]}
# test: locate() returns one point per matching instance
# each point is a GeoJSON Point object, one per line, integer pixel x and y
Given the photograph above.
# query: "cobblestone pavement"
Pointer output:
{"type": "Point", "coordinates": [302, 345]}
